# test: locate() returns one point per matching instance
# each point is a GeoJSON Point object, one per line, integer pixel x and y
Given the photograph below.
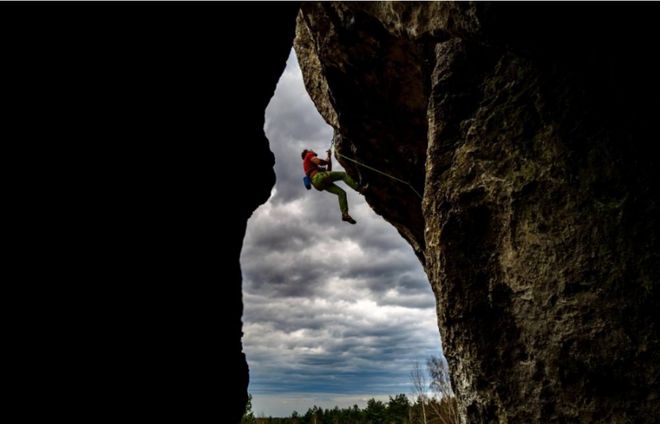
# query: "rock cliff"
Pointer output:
{"type": "Point", "coordinates": [528, 130]}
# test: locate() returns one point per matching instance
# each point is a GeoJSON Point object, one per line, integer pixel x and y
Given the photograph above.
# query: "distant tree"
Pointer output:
{"type": "Point", "coordinates": [434, 395]}
{"type": "Point", "coordinates": [420, 388]}
{"type": "Point", "coordinates": [443, 402]}
{"type": "Point", "coordinates": [439, 372]}
{"type": "Point", "coordinates": [397, 409]}
{"type": "Point", "coordinates": [295, 417]}
{"type": "Point", "coordinates": [356, 415]}
{"type": "Point", "coordinates": [314, 415]}
{"type": "Point", "coordinates": [310, 417]}
{"type": "Point", "coordinates": [376, 411]}
{"type": "Point", "coordinates": [335, 415]}
{"type": "Point", "coordinates": [320, 415]}
{"type": "Point", "coordinates": [248, 416]}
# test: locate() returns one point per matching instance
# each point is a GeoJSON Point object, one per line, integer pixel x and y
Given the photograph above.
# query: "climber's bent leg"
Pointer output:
{"type": "Point", "coordinates": [336, 176]}
{"type": "Point", "coordinates": [343, 203]}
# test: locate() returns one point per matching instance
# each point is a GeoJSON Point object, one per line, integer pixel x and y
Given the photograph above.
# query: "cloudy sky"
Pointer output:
{"type": "Point", "coordinates": [334, 313]}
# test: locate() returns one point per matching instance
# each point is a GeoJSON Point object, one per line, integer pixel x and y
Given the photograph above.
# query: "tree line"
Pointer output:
{"type": "Point", "coordinates": [433, 402]}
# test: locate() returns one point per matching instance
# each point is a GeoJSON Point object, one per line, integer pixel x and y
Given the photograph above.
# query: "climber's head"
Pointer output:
{"type": "Point", "coordinates": [305, 152]}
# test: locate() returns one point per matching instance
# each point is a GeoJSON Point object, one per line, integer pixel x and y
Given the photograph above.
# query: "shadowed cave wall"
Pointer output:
{"type": "Point", "coordinates": [143, 124]}
{"type": "Point", "coordinates": [260, 58]}
{"type": "Point", "coordinates": [139, 136]}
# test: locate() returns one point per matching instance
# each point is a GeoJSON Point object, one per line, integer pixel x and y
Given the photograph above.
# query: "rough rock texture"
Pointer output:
{"type": "Point", "coordinates": [529, 129]}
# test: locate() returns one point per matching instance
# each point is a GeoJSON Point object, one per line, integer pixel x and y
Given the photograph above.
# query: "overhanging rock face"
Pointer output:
{"type": "Point", "coordinates": [528, 130]}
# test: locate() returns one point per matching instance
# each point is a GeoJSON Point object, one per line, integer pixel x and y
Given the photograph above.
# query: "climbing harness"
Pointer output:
{"type": "Point", "coordinates": [339, 155]}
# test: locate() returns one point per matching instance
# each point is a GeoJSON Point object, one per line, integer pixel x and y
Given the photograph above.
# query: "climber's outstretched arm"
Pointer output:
{"type": "Point", "coordinates": [319, 161]}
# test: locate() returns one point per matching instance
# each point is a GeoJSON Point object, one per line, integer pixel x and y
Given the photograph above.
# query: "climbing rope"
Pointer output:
{"type": "Point", "coordinates": [339, 155]}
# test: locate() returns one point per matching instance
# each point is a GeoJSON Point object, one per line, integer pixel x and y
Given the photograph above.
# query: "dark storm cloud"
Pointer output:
{"type": "Point", "coordinates": [365, 346]}
{"type": "Point", "coordinates": [330, 308]}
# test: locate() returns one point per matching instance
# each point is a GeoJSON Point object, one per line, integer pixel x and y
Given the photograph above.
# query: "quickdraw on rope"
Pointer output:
{"type": "Point", "coordinates": [339, 155]}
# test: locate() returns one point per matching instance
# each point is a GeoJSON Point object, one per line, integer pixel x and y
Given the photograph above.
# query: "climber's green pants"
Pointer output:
{"type": "Point", "coordinates": [325, 181]}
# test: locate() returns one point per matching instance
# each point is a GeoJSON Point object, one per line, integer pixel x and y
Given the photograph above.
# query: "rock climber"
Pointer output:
{"type": "Point", "coordinates": [322, 178]}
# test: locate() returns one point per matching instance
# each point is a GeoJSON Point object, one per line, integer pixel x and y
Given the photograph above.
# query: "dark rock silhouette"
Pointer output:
{"type": "Point", "coordinates": [529, 128]}
{"type": "Point", "coordinates": [142, 125]}
{"type": "Point", "coordinates": [260, 60]}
